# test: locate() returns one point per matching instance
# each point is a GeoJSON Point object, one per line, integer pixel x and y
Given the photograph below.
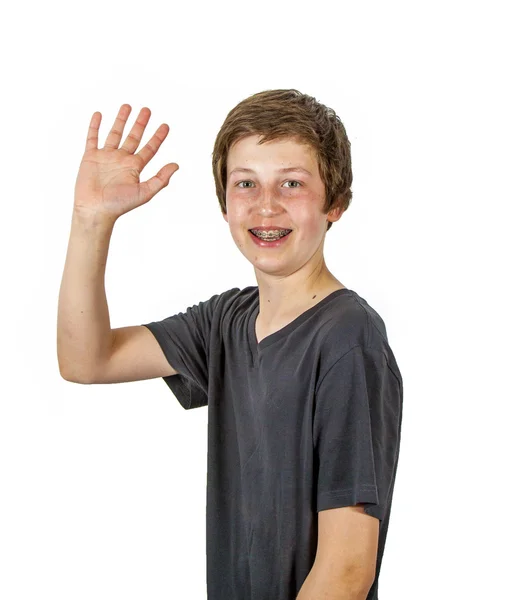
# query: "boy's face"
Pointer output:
{"type": "Point", "coordinates": [266, 196]}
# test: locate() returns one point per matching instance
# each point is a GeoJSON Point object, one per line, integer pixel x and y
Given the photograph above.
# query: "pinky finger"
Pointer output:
{"type": "Point", "coordinates": [92, 139]}
{"type": "Point", "coordinates": [152, 186]}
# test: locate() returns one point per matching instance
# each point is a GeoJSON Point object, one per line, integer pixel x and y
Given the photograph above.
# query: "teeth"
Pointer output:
{"type": "Point", "coordinates": [270, 235]}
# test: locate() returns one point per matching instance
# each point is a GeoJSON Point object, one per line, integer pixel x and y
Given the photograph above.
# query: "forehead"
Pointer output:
{"type": "Point", "coordinates": [284, 150]}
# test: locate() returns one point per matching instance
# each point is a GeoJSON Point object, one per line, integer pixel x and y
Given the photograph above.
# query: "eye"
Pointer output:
{"type": "Point", "coordinates": [294, 181]}
{"type": "Point", "coordinates": [238, 184]}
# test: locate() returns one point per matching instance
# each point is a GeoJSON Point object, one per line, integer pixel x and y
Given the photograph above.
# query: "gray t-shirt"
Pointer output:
{"type": "Point", "coordinates": [306, 420]}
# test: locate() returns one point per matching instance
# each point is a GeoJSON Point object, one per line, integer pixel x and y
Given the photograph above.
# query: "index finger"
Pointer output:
{"type": "Point", "coordinates": [92, 139]}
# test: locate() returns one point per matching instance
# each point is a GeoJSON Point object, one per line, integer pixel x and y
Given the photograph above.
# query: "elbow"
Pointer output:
{"type": "Point", "coordinates": [73, 378]}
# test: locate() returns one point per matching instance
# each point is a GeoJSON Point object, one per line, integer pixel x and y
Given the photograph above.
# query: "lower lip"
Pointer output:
{"type": "Point", "coordinates": [264, 244]}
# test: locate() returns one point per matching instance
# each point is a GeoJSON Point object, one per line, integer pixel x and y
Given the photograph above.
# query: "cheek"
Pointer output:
{"type": "Point", "coordinates": [310, 234]}
{"type": "Point", "coordinates": [308, 220]}
{"type": "Point", "coordinates": [235, 217]}
{"type": "Point", "coordinates": [236, 208]}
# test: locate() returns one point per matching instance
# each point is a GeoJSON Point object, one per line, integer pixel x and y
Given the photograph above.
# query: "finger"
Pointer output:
{"type": "Point", "coordinates": [92, 139]}
{"type": "Point", "coordinates": [153, 145]}
{"type": "Point", "coordinates": [116, 133]}
{"type": "Point", "coordinates": [132, 142]}
{"type": "Point", "coordinates": [152, 186]}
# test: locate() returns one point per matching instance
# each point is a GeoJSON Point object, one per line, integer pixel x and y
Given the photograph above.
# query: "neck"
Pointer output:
{"type": "Point", "coordinates": [282, 298]}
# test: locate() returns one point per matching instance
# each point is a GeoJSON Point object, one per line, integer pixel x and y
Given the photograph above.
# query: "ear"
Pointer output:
{"type": "Point", "coordinates": [334, 214]}
{"type": "Point", "coordinates": [225, 216]}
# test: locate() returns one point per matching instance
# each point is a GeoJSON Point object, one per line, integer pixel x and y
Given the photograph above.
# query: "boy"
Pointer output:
{"type": "Point", "coordinates": [303, 390]}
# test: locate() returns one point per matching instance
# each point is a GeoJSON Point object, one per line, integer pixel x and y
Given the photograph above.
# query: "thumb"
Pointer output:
{"type": "Point", "coordinates": [152, 186]}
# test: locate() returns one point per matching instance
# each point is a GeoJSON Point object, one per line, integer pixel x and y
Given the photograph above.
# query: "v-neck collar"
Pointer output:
{"type": "Point", "coordinates": [257, 348]}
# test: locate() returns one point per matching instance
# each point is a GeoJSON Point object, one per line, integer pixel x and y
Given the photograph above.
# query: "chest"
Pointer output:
{"type": "Point", "coordinates": [263, 331]}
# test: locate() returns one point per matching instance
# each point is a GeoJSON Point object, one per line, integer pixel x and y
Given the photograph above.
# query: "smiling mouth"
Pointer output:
{"type": "Point", "coordinates": [269, 236]}
{"type": "Point", "coordinates": [269, 242]}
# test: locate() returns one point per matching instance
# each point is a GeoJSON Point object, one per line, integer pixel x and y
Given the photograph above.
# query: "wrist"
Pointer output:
{"type": "Point", "coordinates": [90, 218]}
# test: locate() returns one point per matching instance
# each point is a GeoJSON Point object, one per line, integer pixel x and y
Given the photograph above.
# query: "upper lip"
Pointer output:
{"type": "Point", "coordinates": [269, 228]}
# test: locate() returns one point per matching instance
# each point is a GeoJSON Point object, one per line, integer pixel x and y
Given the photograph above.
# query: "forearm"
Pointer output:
{"type": "Point", "coordinates": [83, 332]}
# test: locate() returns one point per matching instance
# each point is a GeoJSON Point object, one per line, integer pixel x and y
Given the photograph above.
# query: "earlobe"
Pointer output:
{"type": "Point", "coordinates": [335, 214]}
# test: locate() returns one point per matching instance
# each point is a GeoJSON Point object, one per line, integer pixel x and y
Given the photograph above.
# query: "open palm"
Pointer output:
{"type": "Point", "coordinates": [108, 181]}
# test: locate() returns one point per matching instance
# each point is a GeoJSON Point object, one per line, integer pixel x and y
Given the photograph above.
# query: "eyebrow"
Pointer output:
{"type": "Point", "coordinates": [283, 170]}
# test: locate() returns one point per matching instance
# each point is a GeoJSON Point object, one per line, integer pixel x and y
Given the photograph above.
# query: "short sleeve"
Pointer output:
{"type": "Point", "coordinates": [185, 341]}
{"type": "Point", "coordinates": [356, 429]}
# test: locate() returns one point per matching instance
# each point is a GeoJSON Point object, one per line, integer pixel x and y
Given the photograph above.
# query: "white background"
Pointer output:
{"type": "Point", "coordinates": [103, 487]}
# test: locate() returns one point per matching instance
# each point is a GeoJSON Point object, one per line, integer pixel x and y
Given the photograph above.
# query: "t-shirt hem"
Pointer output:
{"type": "Point", "coordinates": [188, 393]}
{"type": "Point", "coordinates": [366, 494]}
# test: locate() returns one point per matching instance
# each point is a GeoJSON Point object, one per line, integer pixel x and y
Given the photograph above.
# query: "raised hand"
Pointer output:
{"type": "Point", "coordinates": [108, 181]}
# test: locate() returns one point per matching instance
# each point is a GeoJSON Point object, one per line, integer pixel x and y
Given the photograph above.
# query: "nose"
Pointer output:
{"type": "Point", "coordinates": [268, 198]}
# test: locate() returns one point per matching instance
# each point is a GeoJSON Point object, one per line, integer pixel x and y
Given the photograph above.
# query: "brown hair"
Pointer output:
{"type": "Point", "coordinates": [276, 114]}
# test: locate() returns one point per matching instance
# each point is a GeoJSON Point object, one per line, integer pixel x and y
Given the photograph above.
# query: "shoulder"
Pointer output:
{"type": "Point", "coordinates": [352, 324]}
{"type": "Point", "coordinates": [230, 309]}
{"type": "Point", "coordinates": [237, 299]}
{"type": "Point", "coordinates": [232, 298]}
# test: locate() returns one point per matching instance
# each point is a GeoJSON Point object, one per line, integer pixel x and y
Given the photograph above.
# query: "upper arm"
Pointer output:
{"type": "Point", "coordinates": [135, 355]}
{"type": "Point", "coordinates": [347, 543]}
